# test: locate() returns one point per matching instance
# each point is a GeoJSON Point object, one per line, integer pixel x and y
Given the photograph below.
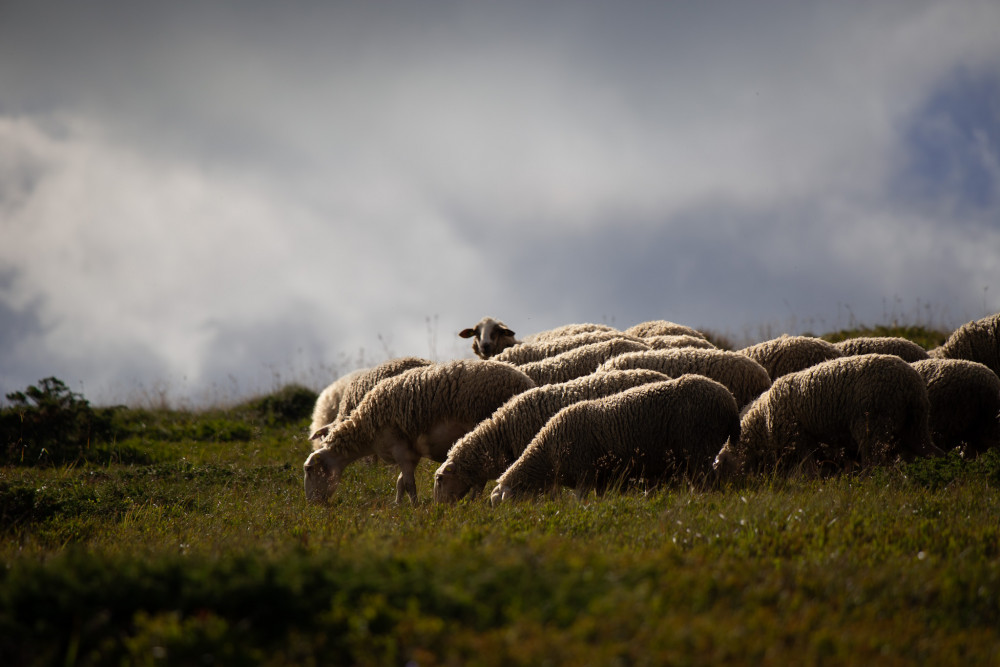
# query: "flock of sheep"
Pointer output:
{"type": "Point", "coordinates": [590, 407]}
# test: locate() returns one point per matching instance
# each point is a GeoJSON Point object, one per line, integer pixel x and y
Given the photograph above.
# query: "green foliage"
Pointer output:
{"type": "Point", "coordinates": [288, 405]}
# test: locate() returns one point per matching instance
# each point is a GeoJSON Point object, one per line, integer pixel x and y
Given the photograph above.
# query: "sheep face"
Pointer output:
{"type": "Point", "coordinates": [320, 479]}
{"type": "Point", "coordinates": [489, 336]}
{"type": "Point", "coordinates": [449, 487]}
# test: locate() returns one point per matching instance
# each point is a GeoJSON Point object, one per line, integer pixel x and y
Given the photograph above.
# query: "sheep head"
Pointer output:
{"type": "Point", "coordinates": [448, 486]}
{"type": "Point", "coordinates": [321, 476]}
{"type": "Point", "coordinates": [490, 337]}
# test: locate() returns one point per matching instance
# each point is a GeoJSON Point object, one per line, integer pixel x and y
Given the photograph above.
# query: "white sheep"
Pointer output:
{"type": "Point", "coordinates": [788, 354]}
{"type": "Point", "coordinates": [327, 405]}
{"type": "Point", "coordinates": [488, 450]}
{"type": "Point", "coordinates": [848, 411]}
{"type": "Point", "coordinates": [651, 434]}
{"type": "Point", "coordinates": [567, 330]}
{"type": "Point", "coordinates": [662, 328]}
{"type": "Point", "coordinates": [419, 413]}
{"type": "Point", "coordinates": [528, 352]}
{"type": "Point", "coordinates": [903, 348]}
{"type": "Point", "coordinates": [490, 336]}
{"type": "Point", "coordinates": [965, 404]}
{"type": "Point", "coordinates": [742, 375]}
{"type": "Point", "coordinates": [978, 340]}
{"type": "Point", "coordinates": [578, 362]}
{"type": "Point", "coordinates": [667, 342]}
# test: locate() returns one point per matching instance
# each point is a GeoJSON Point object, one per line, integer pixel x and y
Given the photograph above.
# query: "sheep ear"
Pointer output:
{"type": "Point", "coordinates": [506, 332]}
{"type": "Point", "coordinates": [467, 333]}
{"type": "Point", "coordinates": [320, 432]}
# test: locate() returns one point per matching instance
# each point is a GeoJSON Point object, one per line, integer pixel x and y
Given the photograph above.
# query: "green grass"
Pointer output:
{"type": "Point", "coordinates": [203, 550]}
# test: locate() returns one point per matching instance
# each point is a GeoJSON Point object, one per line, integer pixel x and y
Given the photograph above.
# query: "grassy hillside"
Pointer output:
{"type": "Point", "coordinates": [178, 537]}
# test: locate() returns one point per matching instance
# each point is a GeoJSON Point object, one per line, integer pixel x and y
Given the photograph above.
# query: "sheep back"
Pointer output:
{"type": "Point", "coordinates": [672, 341]}
{"type": "Point", "coordinates": [578, 362]}
{"type": "Point", "coordinates": [327, 405]}
{"type": "Point", "coordinates": [965, 404]}
{"type": "Point", "coordinates": [654, 433]}
{"type": "Point", "coordinates": [526, 353]}
{"type": "Point", "coordinates": [662, 328]}
{"type": "Point", "coordinates": [788, 354]}
{"type": "Point", "coordinates": [744, 377]}
{"type": "Point", "coordinates": [978, 340]}
{"type": "Point", "coordinates": [567, 330]}
{"type": "Point", "coordinates": [903, 348]}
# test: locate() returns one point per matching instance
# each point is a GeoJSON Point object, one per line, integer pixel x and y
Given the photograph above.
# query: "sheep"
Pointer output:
{"type": "Point", "coordinates": [788, 354]}
{"type": "Point", "coordinates": [327, 405]}
{"type": "Point", "coordinates": [965, 404]}
{"type": "Point", "coordinates": [567, 330]}
{"type": "Point", "coordinates": [486, 451]}
{"type": "Point", "coordinates": [543, 349]}
{"type": "Point", "coordinates": [662, 328]}
{"type": "Point", "coordinates": [903, 348]}
{"type": "Point", "coordinates": [978, 340]}
{"type": "Point", "coordinates": [667, 342]}
{"type": "Point", "coordinates": [865, 409]}
{"type": "Point", "coordinates": [744, 377]}
{"type": "Point", "coordinates": [490, 336]}
{"type": "Point", "coordinates": [654, 433]}
{"type": "Point", "coordinates": [578, 362]}
{"type": "Point", "coordinates": [419, 413]}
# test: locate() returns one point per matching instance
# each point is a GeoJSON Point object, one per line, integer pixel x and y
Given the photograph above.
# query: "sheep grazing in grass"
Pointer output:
{"type": "Point", "coordinates": [327, 405]}
{"type": "Point", "coordinates": [486, 452]}
{"type": "Point", "coordinates": [567, 330]}
{"type": "Point", "coordinates": [903, 348]}
{"type": "Point", "coordinates": [848, 411]}
{"type": "Point", "coordinates": [651, 434]}
{"type": "Point", "coordinates": [676, 341]}
{"type": "Point", "coordinates": [662, 328]}
{"type": "Point", "coordinates": [978, 340]}
{"type": "Point", "coordinates": [788, 354]}
{"type": "Point", "coordinates": [579, 361]}
{"type": "Point", "coordinates": [965, 404]}
{"type": "Point", "coordinates": [739, 373]}
{"type": "Point", "coordinates": [489, 337]}
{"type": "Point", "coordinates": [526, 353]}
{"type": "Point", "coordinates": [419, 413]}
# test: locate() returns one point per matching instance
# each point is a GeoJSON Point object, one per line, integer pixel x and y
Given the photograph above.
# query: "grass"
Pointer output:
{"type": "Point", "coordinates": [203, 550]}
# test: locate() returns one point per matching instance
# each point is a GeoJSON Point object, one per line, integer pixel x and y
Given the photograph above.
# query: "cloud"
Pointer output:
{"type": "Point", "coordinates": [217, 194]}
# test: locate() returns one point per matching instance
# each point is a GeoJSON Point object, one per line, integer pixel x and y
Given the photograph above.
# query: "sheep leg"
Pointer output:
{"type": "Point", "coordinates": [406, 483]}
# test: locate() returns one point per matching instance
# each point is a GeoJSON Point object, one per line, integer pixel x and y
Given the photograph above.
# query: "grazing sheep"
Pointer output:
{"type": "Point", "coordinates": [486, 451]}
{"type": "Point", "coordinates": [676, 341]}
{"type": "Point", "coordinates": [788, 354]}
{"type": "Point", "coordinates": [526, 353]}
{"type": "Point", "coordinates": [361, 383]}
{"type": "Point", "coordinates": [965, 404]}
{"type": "Point", "coordinates": [662, 328]}
{"type": "Point", "coordinates": [419, 413]}
{"type": "Point", "coordinates": [490, 336]}
{"type": "Point", "coordinates": [650, 434]}
{"type": "Point", "coordinates": [978, 340]}
{"type": "Point", "coordinates": [567, 330]}
{"type": "Point", "coordinates": [578, 362]}
{"type": "Point", "coordinates": [742, 375]}
{"type": "Point", "coordinates": [327, 405]}
{"type": "Point", "coordinates": [863, 410]}
{"type": "Point", "coordinates": [903, 348]}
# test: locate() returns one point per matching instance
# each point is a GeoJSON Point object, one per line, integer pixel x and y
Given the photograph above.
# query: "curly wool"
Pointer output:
{"type": "Point", "coordinates": [668, 342]}
{"type": "Point", "coordinates": [978, 340]}
{"type": "Point", "coordinates": [789, 354]}
{"type": "Point", "coordinates": [527, 353]}
{"type": "Point", "coordinates": [423, 408]}
{"type": "Point", "coordinates": [327, 406]}
{"type": "Point", "coordinates": [851, 410]}
{"type": "Point", "coordinates": [743, 376]}
{"type": "Point", "coordinates": [567, 330]}
{"type": "Point", "coordinates": [578, 362]}
{"type": "Point", "coordinates": [903, 348]}
{"type": "Point", "coordinates": [653, 434]}
{"type": "Point", "coordinates": [965, 404]}
{"type": "Point", "coordinates": [486, 452]}
{"type": "Point", "coordinates": [662, 328]}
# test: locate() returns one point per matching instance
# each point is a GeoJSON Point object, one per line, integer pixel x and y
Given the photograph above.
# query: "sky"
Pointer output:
{"type": "Point", "coordinates": [200, 201]}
